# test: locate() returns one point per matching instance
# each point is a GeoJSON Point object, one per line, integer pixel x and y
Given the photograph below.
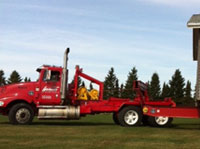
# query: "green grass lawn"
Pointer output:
{"type": "Point", "coordinates": [98, 131]}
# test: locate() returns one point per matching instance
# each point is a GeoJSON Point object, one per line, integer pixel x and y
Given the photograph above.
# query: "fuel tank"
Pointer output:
{"type": "Point", "coordinates": [59, 112]}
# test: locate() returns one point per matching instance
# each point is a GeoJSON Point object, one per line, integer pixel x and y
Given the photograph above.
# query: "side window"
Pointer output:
{"type": "Point", "coordinates": [53, 76]}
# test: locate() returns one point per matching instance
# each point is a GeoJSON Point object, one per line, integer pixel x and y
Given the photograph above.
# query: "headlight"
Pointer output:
{"type": "Point", "coordinates": [1, 103]}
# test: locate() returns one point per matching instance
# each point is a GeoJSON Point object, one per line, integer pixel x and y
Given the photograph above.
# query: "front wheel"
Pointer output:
{"type": "Point", "coordinates": [160, 121]}
{"type": "Point", "coordinates": [130, 116]}
{"type": "Point", "coordinates": [21, 113]}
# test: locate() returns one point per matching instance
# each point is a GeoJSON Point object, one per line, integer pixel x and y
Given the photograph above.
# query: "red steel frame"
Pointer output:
{"type": "Point", "coordinates": [112, 104]}
{"type": "Point", "coordinates": [79, 73]}
{"type": "Point", "coordinates": [177, 112]}
{"type": "Point", "coordinates": [151, 108]}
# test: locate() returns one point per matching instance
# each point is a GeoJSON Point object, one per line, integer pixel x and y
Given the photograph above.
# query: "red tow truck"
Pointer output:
{"type": "Point", "coordinates": [52, 97]}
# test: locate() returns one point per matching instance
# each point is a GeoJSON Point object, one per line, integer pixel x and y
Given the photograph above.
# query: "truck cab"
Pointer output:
{"type": "Point", "coordinates": [45, 91]}
{"type": "Point", "coordinates": [49, 84]}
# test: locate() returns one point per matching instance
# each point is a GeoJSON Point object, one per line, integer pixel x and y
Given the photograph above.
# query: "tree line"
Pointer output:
{"type": "Point", "coordinates": [13, 78]}
{"type": "Point", "coordinates": [177, 88]}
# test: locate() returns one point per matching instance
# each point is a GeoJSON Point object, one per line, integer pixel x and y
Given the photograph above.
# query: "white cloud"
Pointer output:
{"type": "Point", "coordinates": [178, 3]}
{"type": "Point", "coordinates": [47, 8]}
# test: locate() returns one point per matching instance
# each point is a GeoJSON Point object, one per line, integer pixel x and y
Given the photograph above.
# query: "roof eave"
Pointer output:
{"type": "Point", "coordinates": [193, 25]}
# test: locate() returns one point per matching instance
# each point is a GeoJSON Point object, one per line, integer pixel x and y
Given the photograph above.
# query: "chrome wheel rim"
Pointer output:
{"type": "Point", "coordinates": [161, 120]}
{"type": "Point", "coordinates": [23, 115]}
{"type": "Point", "coordinates": [131, 117]}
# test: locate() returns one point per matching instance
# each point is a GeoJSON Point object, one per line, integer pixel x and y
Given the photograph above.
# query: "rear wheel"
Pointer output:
{"type": "Point", "coordinates": [130, 116]}
{"type": "Point", "coordinates": [115, 118]}
{"type": "Point", "coordinates": [21, 113]}
{"type": "Point", "coordinates": [160, 121]}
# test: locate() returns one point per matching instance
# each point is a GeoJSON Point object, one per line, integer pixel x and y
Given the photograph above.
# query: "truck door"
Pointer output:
{"type": "Point", "coordinates": [50, 88]}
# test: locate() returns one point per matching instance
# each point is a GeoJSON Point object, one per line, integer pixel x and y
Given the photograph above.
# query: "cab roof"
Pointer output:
{"type": "Point", "coordinates": [46, 67]}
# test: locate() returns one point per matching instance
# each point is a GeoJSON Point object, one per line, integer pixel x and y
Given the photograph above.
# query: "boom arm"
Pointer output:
{"type": "Point", "coordinates": [81, 74]}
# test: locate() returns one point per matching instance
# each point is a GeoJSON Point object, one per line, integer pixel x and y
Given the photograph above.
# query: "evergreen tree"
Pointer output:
{"type": "Point", "coordinates": [177, 86]}
{"type": "Point", "coordinates": [79, 82]}
{"type": "Point", "coordinates": [165, 91]}
{"type": "Point", "coordinates": [154, 87]}
{"type": "Point", "coordinates": [188, 100]}
{"type": "Point", "coordinates": [110, 84]}
{"type": "Point", "coordinates": [91, 86]}
{"type": "Point", "coordinates": [128, 89]}
{"type": "Point", "coordinates": [121, 90]}
{"type": "Point", "coordinates": [26, 79]}
{"type": "Point", "coordinates": [194, 96]}
{"type": "Point", "coordinates": [188, 90]}
{"type": "Point", "coordinates": [2, 78]}
{"type": "Point", "coordinates": [148, 88]}
{"type": "Point", "coordinates": [83, 84]}
{"type": "Point", "coordinates": [14, 78]}
{"type": "Point", "coordinates": [116, 90]}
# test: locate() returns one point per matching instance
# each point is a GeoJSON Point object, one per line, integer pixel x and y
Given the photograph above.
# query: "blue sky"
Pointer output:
{"type": "Point", "coordinates": [148, 34]}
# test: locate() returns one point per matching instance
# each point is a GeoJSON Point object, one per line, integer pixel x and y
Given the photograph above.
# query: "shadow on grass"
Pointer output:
{"type": "Point", "coordinates": [179, 126]}
{"type": "Point", "coordinates": [185, 126]}
{"type": "Point", "coordinates": [72, 123]}
{"type": "Point", "coordinates": [47, 123]}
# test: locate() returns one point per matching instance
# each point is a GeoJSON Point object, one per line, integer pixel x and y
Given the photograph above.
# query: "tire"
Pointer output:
{"type": "Point", "coordinates": [130, 116]}
{"type": "Point", "coordinates": [21, 114]}
{"type": "Point", "coordinates": [160, 121]}
{"type": "Point", "coordinates": [115, 119]}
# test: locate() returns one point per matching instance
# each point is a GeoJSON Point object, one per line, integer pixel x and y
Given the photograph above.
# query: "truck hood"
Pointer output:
{"type": "Point", "coordinates": [16, 89]}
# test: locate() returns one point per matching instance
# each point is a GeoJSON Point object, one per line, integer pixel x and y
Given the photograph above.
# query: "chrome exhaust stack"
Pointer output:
{"type": "Point", "coordinates": [64, 80]}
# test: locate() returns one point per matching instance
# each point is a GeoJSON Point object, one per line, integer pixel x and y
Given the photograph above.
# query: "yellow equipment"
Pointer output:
{"type": "Point", "coordinates": [94, 94]}
{"type": "Point", "coordinates": [82, 93]}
